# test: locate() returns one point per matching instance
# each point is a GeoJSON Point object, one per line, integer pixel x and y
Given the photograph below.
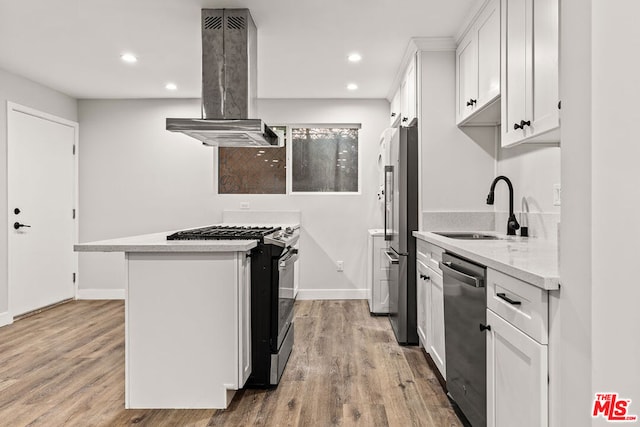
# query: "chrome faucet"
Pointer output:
{"type": "Point", "coordinates": [512, 223]}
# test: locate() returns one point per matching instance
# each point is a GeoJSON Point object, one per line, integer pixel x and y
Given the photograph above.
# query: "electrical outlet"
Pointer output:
{"type": "Point", "coordinates": [557, 194]}
{"type": "Point", "coordinates": [340, 265]}
{"type": "Point", "coordinates": [244, 205]}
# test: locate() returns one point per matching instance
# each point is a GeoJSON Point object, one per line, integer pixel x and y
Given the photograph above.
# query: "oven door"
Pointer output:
{"type": "Point", "coordinates": [286, 295]}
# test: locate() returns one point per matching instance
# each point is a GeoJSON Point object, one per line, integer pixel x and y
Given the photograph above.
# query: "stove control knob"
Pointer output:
{"type": "Point", "coordinates": [288, 230]}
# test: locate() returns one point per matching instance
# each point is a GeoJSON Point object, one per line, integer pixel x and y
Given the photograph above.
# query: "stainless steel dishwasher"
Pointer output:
{"type": "Point", "coordinates": [465, 305]}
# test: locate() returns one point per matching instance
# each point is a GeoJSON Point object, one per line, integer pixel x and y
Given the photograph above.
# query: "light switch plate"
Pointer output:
{"type": "Point", "coordinates": [244, 205]}
{"type": "Point", "coordinates": [557, 194]}
{"type": "Point", "coordinates": [340, 265]}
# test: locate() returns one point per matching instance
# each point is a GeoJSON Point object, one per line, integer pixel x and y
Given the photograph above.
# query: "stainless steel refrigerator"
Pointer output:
{"type": "Point", "coordinates": [401, 219]}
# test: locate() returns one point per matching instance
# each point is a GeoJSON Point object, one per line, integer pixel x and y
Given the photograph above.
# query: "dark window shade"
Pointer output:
{"type": "Point", "coordinates": [252, 170]}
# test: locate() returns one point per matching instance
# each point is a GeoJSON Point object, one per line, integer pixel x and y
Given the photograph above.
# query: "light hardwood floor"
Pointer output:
{"type": "Point", "coordinates": [65, 367]}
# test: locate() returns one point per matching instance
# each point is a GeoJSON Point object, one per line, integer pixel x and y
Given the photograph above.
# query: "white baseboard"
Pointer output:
{"type": "Point", "coordinates": [5, 319]}
{"type": "Point", "coordinates": [101, 294]}
{"type": "Point", "coordinates": [307, 294]}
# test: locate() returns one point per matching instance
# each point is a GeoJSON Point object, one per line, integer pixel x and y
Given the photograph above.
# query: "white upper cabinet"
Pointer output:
{"type": "Point", "coordinates": [530, 107]}
{"type": "Point", "coordinates": [408, 95]}
{"type": "Point", "coordinates": [478, 70]}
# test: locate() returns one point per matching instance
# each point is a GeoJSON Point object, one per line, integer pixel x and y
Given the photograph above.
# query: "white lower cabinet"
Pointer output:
{"type": "Point", "coordinates": [377, 268]}
{"type": "Point", "coordinates": [422, 295]}
{"type": "Point", "coordinates": [517, 369]}
{"type": "Point", "coordinates": [436, 321]}
{"type": "Point", "coordinates": [244, 319]}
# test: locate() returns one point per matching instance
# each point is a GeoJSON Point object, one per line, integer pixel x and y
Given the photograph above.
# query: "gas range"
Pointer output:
{"type": "Point", "coordinates": [264, 234]}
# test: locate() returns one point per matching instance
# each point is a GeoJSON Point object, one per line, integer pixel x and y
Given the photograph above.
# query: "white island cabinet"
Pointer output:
{"type": "Point", "coordinates": [187, 320]}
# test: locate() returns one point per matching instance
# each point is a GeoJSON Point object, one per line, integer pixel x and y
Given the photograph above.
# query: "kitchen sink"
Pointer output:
{"type": "Point", "coordinates": [468, 235]}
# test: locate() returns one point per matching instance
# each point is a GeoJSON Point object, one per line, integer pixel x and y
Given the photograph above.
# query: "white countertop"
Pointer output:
{"type": "Point", "coordinates": [157, 242]}
{"type": "Point", "coordinates": [530, 259]}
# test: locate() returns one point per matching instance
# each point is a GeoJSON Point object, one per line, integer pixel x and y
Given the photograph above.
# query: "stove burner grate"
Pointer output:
{"type": "Point", "coordinates": [223, 232]}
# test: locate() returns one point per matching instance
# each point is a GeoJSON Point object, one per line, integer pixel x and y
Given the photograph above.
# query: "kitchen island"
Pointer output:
{"type": "Point", "coordinates": [187, 319]}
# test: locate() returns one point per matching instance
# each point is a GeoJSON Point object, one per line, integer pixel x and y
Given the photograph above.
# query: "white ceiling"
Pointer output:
{"type": "Point", "coordinates": [74, 46]}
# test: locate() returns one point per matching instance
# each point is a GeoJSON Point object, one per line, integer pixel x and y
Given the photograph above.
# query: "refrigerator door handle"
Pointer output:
{"type": "Point", "coordinates": [391, 258]}
{"type": "Point", "coordinates": [388, 201]}
{"type": "Point", "coordinates": [399, 253]}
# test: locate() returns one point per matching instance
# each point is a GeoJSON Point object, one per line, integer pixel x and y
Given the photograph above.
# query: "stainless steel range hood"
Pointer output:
{"type": "Point", "coordinates": [229, 84]}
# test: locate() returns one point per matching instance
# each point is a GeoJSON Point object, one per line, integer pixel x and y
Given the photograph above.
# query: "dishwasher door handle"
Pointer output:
{"type": "Point", "coordinates": [392, 259]}
{"type": "Point", "coordinates": [446, 268]}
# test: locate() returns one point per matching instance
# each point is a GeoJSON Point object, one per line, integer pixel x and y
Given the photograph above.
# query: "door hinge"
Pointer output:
{"type": "Point", "coordinates": [73, 214]}
{"type": "Point", "coordinates": [74, 277]}
{"type": "Point", "coordinates": [74, 149]}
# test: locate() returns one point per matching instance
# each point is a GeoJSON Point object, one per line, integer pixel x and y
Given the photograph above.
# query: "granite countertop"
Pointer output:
{"type": "Point", "coordinates": [157, 242]}
{"type": "Point", "coordinates": [529, 259]}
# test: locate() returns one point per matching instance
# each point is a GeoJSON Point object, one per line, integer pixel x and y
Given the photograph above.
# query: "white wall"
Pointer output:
{"type": "Point", "coordinates": [25, 92]}
{"type": "Point", "coordinates": [573, 373]}
{"type": "Point", "coordinates": [136, 178]}
{"type": "Point", "coordinates": [456, 169]}
{"type": "Point", "coordinates": [533, 170]}
{"type": "Point", "coordinates": [615, 41]}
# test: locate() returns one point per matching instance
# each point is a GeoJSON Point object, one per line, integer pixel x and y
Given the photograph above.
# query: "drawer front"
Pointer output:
{"type": "Point", "coordinates": [523, 305]}
{"type": "Point", "coordinates": [429, 254]}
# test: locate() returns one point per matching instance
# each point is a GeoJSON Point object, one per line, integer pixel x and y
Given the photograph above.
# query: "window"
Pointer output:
{"type": "Point", "coordinates": [252, 170]}
{"type": "Point", "coordinates": [324, 159]}
{"type": "Point", "coordinates": [321, 158]}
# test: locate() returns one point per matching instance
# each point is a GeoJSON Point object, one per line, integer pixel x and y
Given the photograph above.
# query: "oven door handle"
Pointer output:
{"type": "Point", "coordinates": [447, 269]}
{"type": "Point", "coordinates": [289, 258]}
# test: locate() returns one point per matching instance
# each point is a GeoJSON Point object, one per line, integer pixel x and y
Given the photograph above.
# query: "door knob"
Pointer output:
{"type": "Point", "coordinates": [16, 211]}
{"type": "Point", "coordinates": [17, 225]}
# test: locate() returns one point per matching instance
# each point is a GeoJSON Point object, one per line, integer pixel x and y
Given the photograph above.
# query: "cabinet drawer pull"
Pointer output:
{"type": "Point", "coordinates": [507, 299]}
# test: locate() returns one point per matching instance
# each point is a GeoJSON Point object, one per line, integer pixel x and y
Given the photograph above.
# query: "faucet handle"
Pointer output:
{"type": "Point", "coordinates": [512, 225]}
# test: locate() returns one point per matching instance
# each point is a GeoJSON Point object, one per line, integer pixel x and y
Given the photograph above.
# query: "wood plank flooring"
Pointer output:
{"type": "Point", "coordinates": [65, 367]}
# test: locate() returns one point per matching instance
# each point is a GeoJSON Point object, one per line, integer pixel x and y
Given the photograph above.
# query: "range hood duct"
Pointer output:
{"type": "Point", "coordinates": [229, 84]}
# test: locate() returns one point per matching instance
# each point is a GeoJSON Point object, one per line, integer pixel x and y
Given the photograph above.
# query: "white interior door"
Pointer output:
{"type": "Point", "coordinates": [41, 196]}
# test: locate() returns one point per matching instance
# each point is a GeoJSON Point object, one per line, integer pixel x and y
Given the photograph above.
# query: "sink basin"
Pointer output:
{"type": "Point", "coordinates": [468, 235]}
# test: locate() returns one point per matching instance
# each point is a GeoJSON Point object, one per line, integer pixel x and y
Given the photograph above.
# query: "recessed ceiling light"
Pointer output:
{"type": "Point", "coordinates": [129, 57]}
{"type": "Point", "coordinates": [352, 86]}
{"type": "Point", "coordinates": [170, 86]}
{"type": "Point", "coordinates": [354, 57]}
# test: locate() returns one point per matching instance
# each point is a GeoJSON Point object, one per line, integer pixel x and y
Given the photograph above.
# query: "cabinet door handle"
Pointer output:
{"type": "Point", "coordinates": [507, 299]}
{"type": "Point", "coordinates": [393, 114]}
{"type": "Point", "coordinates": [471, 102]}
{"type": "Point", "coordinates": [523, 123]}
{"type": "Point", "coordinates": [404, 119]}
{"type": "Point", "coordinates": [425, 277]}
{"type": "Point", "coordinates": [484, 327]}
